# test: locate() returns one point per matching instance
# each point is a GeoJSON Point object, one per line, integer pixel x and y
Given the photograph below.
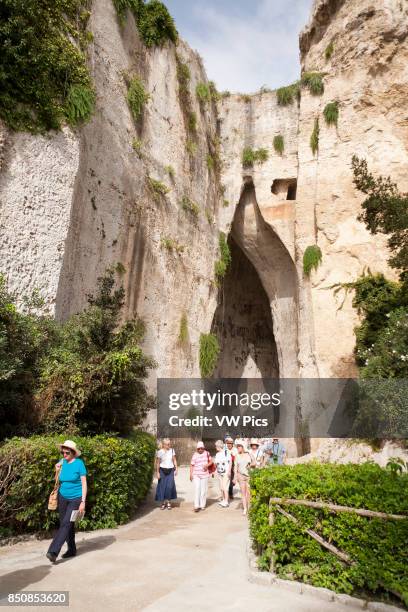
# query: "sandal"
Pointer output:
{"type": "Point", "coordinates": [163, 507]}
{"type": "Point", "coordinates": [169, 506]}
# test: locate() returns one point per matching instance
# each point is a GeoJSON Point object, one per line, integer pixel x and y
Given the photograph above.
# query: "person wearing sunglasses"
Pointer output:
{"type": "Point", "coordinates": [71, 496]}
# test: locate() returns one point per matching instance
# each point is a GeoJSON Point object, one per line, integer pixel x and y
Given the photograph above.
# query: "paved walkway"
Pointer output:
{"type": "Point", "coordinates": [163, 561]}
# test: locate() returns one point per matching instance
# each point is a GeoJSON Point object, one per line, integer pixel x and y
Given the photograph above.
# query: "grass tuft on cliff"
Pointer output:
{"type": "Point", "coordinates": [183, 332]}
{"type": "Point", "coordinates": [252, 156]}
{"type": "Point", "coordinates": [208, 357]}
{"type": "Point", "coordinates": [44, 79]}
{"type": "Point", "coordinates": [137, 97]}
{"type": "Point", "coordinates": [314, 138]}
{"type": "Point", "coordinates": [222, 264]}
{"type": "Point", "coordinates": [329, 51]}
{"type": "Point", "coordinates": [279, 144]}
{"type": "Point", "coordinates": [189, 206]}
{"type": "Point", "coordinates": [331, 113]}
{"type": "Point", "coordinates": [314, 82]}
{"type": "Point", "coordinates": [286, 95]}
{"type": "Point", "coordinates": [312, 258]}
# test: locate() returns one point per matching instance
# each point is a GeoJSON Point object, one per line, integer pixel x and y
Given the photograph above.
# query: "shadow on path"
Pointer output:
{"type": "Point", "coordinates": [18, 580]}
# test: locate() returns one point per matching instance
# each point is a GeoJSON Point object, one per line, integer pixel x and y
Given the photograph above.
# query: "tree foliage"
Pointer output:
{"type": "Point", "coordinates": [43, 64]}
{"type": "Point", "coordinates": [93, 379]}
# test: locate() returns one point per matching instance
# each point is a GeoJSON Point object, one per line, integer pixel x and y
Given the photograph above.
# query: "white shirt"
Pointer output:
{"type": "Point", "coordinates": [166, 457]}
{"type": "Point", "coordinates": [223, 461]}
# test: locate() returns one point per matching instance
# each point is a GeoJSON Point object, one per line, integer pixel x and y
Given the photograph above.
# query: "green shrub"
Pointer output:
{"type": "Point", "coordinates": [377, 546]}
{"type": "Point", "coordinates": [155, 24]}
{"type": "Point", "coordinates": [209, 351]}
{"type": "Point", "coordinates": [158, 188]}
{"type": "Point", "coordinates": [223, 263]}
{"type": "Point", "coordinates": [153, 20]}
{"type": "Point", "coordinates": [119, 477]}
{"type": "Point", "coordinates": [331, 113]}
{"type": "Point", "coordinates": [25, 338]}
{"type": "Point", "coordinates": [183, 75]}
{"type": "Point", "coordinates": [278, 144]}
{"type": "Point", "coordinates": [251, 156]}
{"type": "Point", "coordinates": [286, 95]}
{"type": "Point", "coordinates": [92, 379]}
{"type": "Point", "coordinates": [314, 82]}
{"type": "Point", "coordinates": [191, 147]}
{"type": "Point", "coordinates": [203, 93]}
{"type": "Point", "coordinates": [312, 258]}
{"type": "Point", "coordinates": [183, 333]}
{"type": "Point", "coordinates": [44, 77]}
{"type": "Point", "coordinates": [80, 103]}
{"type": "Point", "coordinates": [329, 51]}
{"type": "Point", "coordinates": [137, 146]}
{"type": "Point", "coordinates": [171, 245]}
{"type": "Point", "coordinates": [314, 138]}
{"type": "Point", "coordinates": [137, 97]}
{"type": "Point", "coordinates": [189, 206]}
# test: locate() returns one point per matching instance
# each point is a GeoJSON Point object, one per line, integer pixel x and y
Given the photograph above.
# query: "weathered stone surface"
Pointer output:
{"type": "Point", "coordinates": [74, 203]}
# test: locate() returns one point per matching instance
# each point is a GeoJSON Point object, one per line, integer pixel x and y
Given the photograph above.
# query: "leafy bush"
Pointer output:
{"type": "Point", "coordinates": [251, 156]}
{"type": "Point", "coordinates": [189, 206]}
{"type": "Point", "coordinates": [312, 258]}
{"type": "Point", "coordinates": [137, 97]}
{"type": "Point", "coordinates": [314, 82]}
{"type": "Point", "coordinates": [203, 93]}
{"type": "Point", "coordinates": [183, 75]}
{"type": "Point", "coordinates": [223, 263]}
{"type": "Point", "coordinates": [153, 20]}
{"type": "Point", "coordinates": [44, 77]}
{"type": "Point", "coordinates": [329, 51]}
{"type": "Point", "coordinates": [155, 24]}
{"type": "Point", "coordinates": [25, 337]}
{"type": "Point", "coordinates": [209, 351]}
{"type": "Point", "coordinates": [286, 95]}
{"type": "Point", "coordinates": [278, 144]}
{"type": "Point", "coordinates": [376, 546]}
{"type": "Point", "coordinates": [385, 211]}
{"type": "Point", "coordinates": [80, 103]}
{"type": "Point", "coordinates": [314, 138]}
{"type": "Point", "coordinates": [331, 113]}
{"type": "Point", "coordinates": [92, 378]}
{"type": "Point", "coordinates": [119, 476]}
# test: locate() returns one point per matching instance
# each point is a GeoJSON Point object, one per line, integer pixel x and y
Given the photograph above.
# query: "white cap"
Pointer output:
{"type": "Point", "coordinates": [200, 445]}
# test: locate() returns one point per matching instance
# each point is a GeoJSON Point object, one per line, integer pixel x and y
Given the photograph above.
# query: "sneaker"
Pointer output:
{"type": "Point", "coordinates": [224, 504]}
{"type": "Point", "coordinates": [51, 556]}
{"type": "Point", "coordinates": [244, 512]}
{"type": "Point", "coordinates": [169, 506]}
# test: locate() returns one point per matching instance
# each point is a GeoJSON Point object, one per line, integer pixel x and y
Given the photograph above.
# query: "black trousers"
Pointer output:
{"type": "Point", "coordinates": [231, 485]}
{"type": "Point", "coordinates": [66, 531]}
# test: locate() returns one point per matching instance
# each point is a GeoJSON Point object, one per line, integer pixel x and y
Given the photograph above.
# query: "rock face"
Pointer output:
{"type": "Point", "coordinates": [74, 203]}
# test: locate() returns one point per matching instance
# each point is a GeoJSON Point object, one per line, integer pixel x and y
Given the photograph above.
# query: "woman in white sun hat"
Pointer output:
{"type": "Point", "coordinates": [256, 453]}
{"type": "Point", "coordinates": [242, 465]}
{"type": "Point", "coordinates": [71, 496]}
{"type": "Point", "coordinates": [200, 464]}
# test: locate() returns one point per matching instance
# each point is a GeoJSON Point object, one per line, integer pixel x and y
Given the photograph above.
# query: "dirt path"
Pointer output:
{"type": "Point", "coordinates": [164, 560]}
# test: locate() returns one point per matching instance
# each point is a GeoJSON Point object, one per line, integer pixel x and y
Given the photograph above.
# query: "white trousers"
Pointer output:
{"type": "Point", "coordinates": [200, 491]}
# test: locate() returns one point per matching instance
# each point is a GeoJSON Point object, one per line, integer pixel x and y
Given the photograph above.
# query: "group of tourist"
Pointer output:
{"type": "Point", "coordinates": [231, 464]}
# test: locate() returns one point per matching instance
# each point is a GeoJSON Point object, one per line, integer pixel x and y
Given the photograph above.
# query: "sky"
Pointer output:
{"type": "Point", "coordinates": [245, 44]}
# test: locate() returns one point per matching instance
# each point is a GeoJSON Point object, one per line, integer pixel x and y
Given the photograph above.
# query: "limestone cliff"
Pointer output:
{"type": "Point", "coordinates": [73, 203]}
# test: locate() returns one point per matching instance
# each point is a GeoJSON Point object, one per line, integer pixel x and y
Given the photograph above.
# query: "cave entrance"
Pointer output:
{"type": "Point", "coordinates": [243, 323]}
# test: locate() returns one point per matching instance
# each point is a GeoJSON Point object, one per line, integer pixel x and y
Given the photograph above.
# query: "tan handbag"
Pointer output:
{"type": "Point", "coordinates": [53, 498]}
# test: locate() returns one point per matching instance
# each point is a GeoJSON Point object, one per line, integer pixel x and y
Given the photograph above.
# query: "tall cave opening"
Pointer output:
{"type": "Point", "coordinates": [243, 323]}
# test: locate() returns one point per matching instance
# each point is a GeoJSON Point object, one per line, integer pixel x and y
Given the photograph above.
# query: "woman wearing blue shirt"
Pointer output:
{"type": "Point", "coordinates": [71, 496]}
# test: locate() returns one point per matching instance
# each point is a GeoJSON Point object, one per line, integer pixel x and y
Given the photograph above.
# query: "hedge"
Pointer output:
{"type": "Point", "coordinates": [120, 474]}
{"type": "Point", "coordinates": [378, 547]}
